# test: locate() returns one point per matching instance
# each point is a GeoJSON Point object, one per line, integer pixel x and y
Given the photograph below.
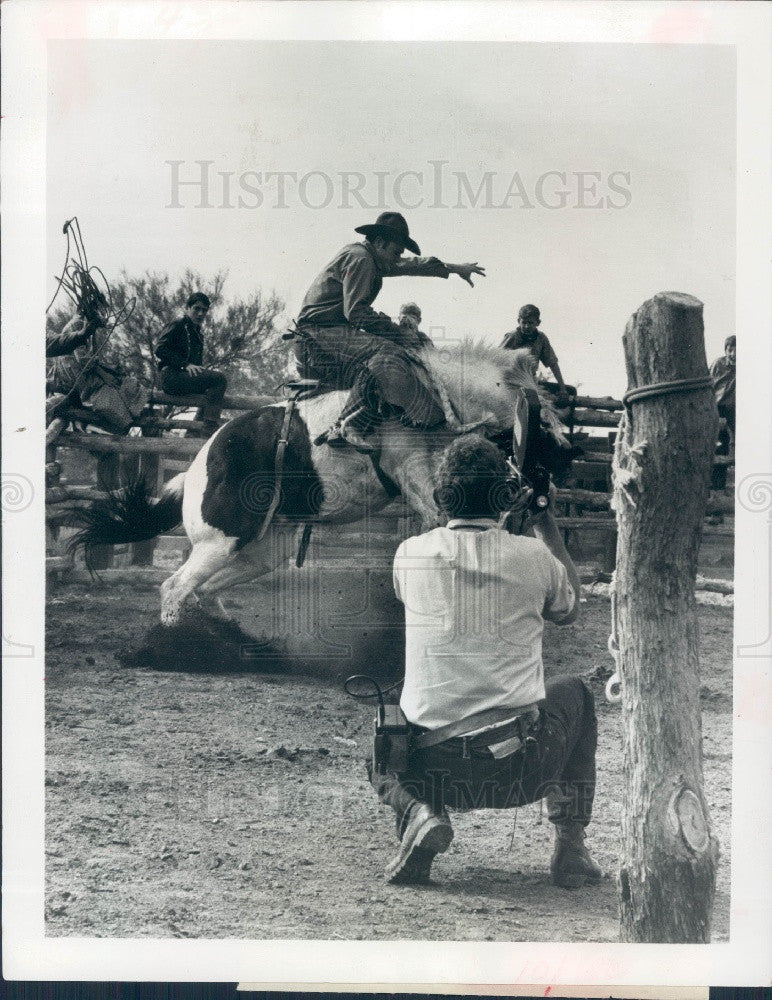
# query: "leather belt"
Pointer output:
{"type": "Point", "coordinates": [465, 733]}
{"type": "Point", "coordinates": [501, 734]}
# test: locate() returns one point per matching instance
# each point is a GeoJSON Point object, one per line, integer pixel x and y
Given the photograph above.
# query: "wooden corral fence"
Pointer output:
{"type": "Point", "coordinates": [159, 447]}
{"type": "Point", "coordinates": [585, 508]}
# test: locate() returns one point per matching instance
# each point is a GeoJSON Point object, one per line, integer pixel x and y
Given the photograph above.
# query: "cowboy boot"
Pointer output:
{"type": "Point", "coordinates": [353, 431]}
{"type": "Point", "coordinates": [572, 866]}
{"type": "Point", "coordinates": [358, 419]}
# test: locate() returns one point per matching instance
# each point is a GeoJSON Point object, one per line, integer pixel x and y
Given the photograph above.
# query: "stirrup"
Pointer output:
{"type": "Point", "coordinates": [336, 437]}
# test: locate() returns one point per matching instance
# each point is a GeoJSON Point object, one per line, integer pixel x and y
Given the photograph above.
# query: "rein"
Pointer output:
{"type": "Point", "coordinates": [278, 466]}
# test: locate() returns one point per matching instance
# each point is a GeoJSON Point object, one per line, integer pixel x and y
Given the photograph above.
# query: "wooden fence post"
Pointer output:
{"type": "Point", "coordinates": [108, 478]}
{"type": "Point", "coordinates": [147, 466]}
{"type": "Point", "coordinates": [662, 466]}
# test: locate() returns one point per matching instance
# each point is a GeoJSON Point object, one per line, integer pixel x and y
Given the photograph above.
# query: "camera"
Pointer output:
{"type": "Point", "coordinates": [391, 738]}
{"type": "Point", "coordinates": [539, 479]}
{"type": "Point", "coordinates": [526, 443]}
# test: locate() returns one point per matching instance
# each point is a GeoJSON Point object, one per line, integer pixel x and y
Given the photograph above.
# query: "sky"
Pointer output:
{"type": "Point", "coordinates": [585, 178]}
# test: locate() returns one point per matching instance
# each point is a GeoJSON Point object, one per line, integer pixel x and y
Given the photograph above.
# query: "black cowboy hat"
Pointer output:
{"type": "Point", "coordinates": [392, 226]}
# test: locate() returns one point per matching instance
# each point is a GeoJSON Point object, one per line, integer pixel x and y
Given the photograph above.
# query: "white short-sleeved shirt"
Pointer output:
{"type": "Point", "coordinates": [475, 605]}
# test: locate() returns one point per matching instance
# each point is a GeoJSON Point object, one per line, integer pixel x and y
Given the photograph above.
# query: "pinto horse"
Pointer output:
{"type": "Point", "coordinates": [224, 496]}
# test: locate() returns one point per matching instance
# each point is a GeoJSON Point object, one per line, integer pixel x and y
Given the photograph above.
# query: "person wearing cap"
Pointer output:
{"type": "Point", "coordinates": [486, 731]}
{"type": "Point", "coordinates": [724, 374]}
{"type": "Point", "coordinates": [342, 340]}
{"type": "Point", "coordinates": [180, 352]}
{"type": "Point", "coordinates": [527, 334]}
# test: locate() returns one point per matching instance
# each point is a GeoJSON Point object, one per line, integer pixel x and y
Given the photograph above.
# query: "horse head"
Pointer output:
{"type": "Point", "coordinates": [482, 389]}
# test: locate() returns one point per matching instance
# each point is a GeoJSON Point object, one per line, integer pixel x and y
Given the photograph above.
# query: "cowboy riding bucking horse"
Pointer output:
{"type": "Point", "coordinates": [346, 344]}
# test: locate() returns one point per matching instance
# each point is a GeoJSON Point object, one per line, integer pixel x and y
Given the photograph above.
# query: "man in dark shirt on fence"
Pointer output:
{"type": "Point", "coordinates": [180, 353]}
{"type": "Point", "coordinates": [343, 341]}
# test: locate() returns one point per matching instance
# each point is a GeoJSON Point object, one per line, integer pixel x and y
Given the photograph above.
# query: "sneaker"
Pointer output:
{"type": "Point", "coordinates": [572, 866]}
{"type": "Point", "coordinates": [426, 835]}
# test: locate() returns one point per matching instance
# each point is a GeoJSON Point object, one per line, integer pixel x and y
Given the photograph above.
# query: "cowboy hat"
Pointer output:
{"type": "Point", "coordinates": [392, 226]}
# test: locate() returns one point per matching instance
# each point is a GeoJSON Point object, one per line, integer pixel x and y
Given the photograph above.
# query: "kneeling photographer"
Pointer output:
{"type": "Point", "coordinates": [484, 732]}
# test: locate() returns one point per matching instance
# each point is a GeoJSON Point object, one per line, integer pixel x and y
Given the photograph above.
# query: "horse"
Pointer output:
{"type": "Point", "coordinates": [228, 493]}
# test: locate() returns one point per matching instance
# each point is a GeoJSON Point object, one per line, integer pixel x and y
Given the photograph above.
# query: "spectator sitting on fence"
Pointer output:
{"type": "Point", "coordinates": [77, 377]}
{"type": "Point", "coordinates": [723, 371]}
{"type": "Point", "coordinates": [180, 353]}
{"type": "Point", "coordinates": [485, 732]}
{"type": "Point", "coordinates": [527, 334]}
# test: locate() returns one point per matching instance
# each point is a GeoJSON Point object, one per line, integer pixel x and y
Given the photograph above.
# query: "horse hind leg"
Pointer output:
{"type": "Point", "coordinates": [228, 577]}
{"type": "Point", "coordinates": [208, 594]}
{"type": "Point", "coordinates": [254, 560]}
{"type": "Point", "coordinates": [204, 561]}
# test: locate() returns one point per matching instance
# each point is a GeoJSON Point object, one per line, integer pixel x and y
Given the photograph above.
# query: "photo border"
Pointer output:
{"type": "Point", "coordinates": [28, 953]}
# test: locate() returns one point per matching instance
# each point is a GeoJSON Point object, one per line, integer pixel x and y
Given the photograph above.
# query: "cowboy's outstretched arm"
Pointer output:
{"type": "Point", "coordinates": [421, 267]}
{"type": "Point", "coordinates": [466, 271]}
{"type": "Point", "coordinates": [433, 267]}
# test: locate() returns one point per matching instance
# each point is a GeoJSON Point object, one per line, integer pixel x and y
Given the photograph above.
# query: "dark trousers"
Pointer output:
{"type": "Point", "coordinates": [211, 384]}
{"type": "Point", "coordinates": [559, 767]}
{"type": "Point", "coordinates": [726, 437]}
{"type": "Point", "coordinates": [377, 369]}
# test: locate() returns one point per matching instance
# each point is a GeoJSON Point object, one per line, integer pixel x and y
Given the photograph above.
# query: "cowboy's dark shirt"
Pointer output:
{"type": "Point", "coordinates": [343, 293]}
{"type": "Point", "coordinates": [181, 343]}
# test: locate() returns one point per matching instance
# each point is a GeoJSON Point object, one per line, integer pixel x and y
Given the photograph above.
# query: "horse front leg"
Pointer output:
{"type": "Point", "coordinates": [412, 465]}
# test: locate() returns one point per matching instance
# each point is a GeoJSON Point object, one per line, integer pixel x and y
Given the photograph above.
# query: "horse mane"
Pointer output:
{"type": "Point", "coordinates": [479, 382]}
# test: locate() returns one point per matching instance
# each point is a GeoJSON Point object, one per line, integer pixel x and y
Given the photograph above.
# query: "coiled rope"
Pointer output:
{"type": "Point", "coordinates": [81, 284]}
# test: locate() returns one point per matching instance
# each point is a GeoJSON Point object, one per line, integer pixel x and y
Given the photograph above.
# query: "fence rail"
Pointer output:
{"type": "Point", "coordinates": [156, 453]}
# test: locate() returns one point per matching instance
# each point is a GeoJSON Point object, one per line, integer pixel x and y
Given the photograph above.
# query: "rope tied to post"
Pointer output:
{"type": "Point", "coordinates": [642, 392]}
{"type": "Point", "coordinates": [627, 464]}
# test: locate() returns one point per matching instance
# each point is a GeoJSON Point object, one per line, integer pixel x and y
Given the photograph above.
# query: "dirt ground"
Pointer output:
{"type": "Point", "coordinates": [237, 805]}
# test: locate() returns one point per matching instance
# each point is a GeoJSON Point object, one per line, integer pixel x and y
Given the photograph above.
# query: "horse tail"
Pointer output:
{"type": "Point", "coordinates": [128, 515]}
